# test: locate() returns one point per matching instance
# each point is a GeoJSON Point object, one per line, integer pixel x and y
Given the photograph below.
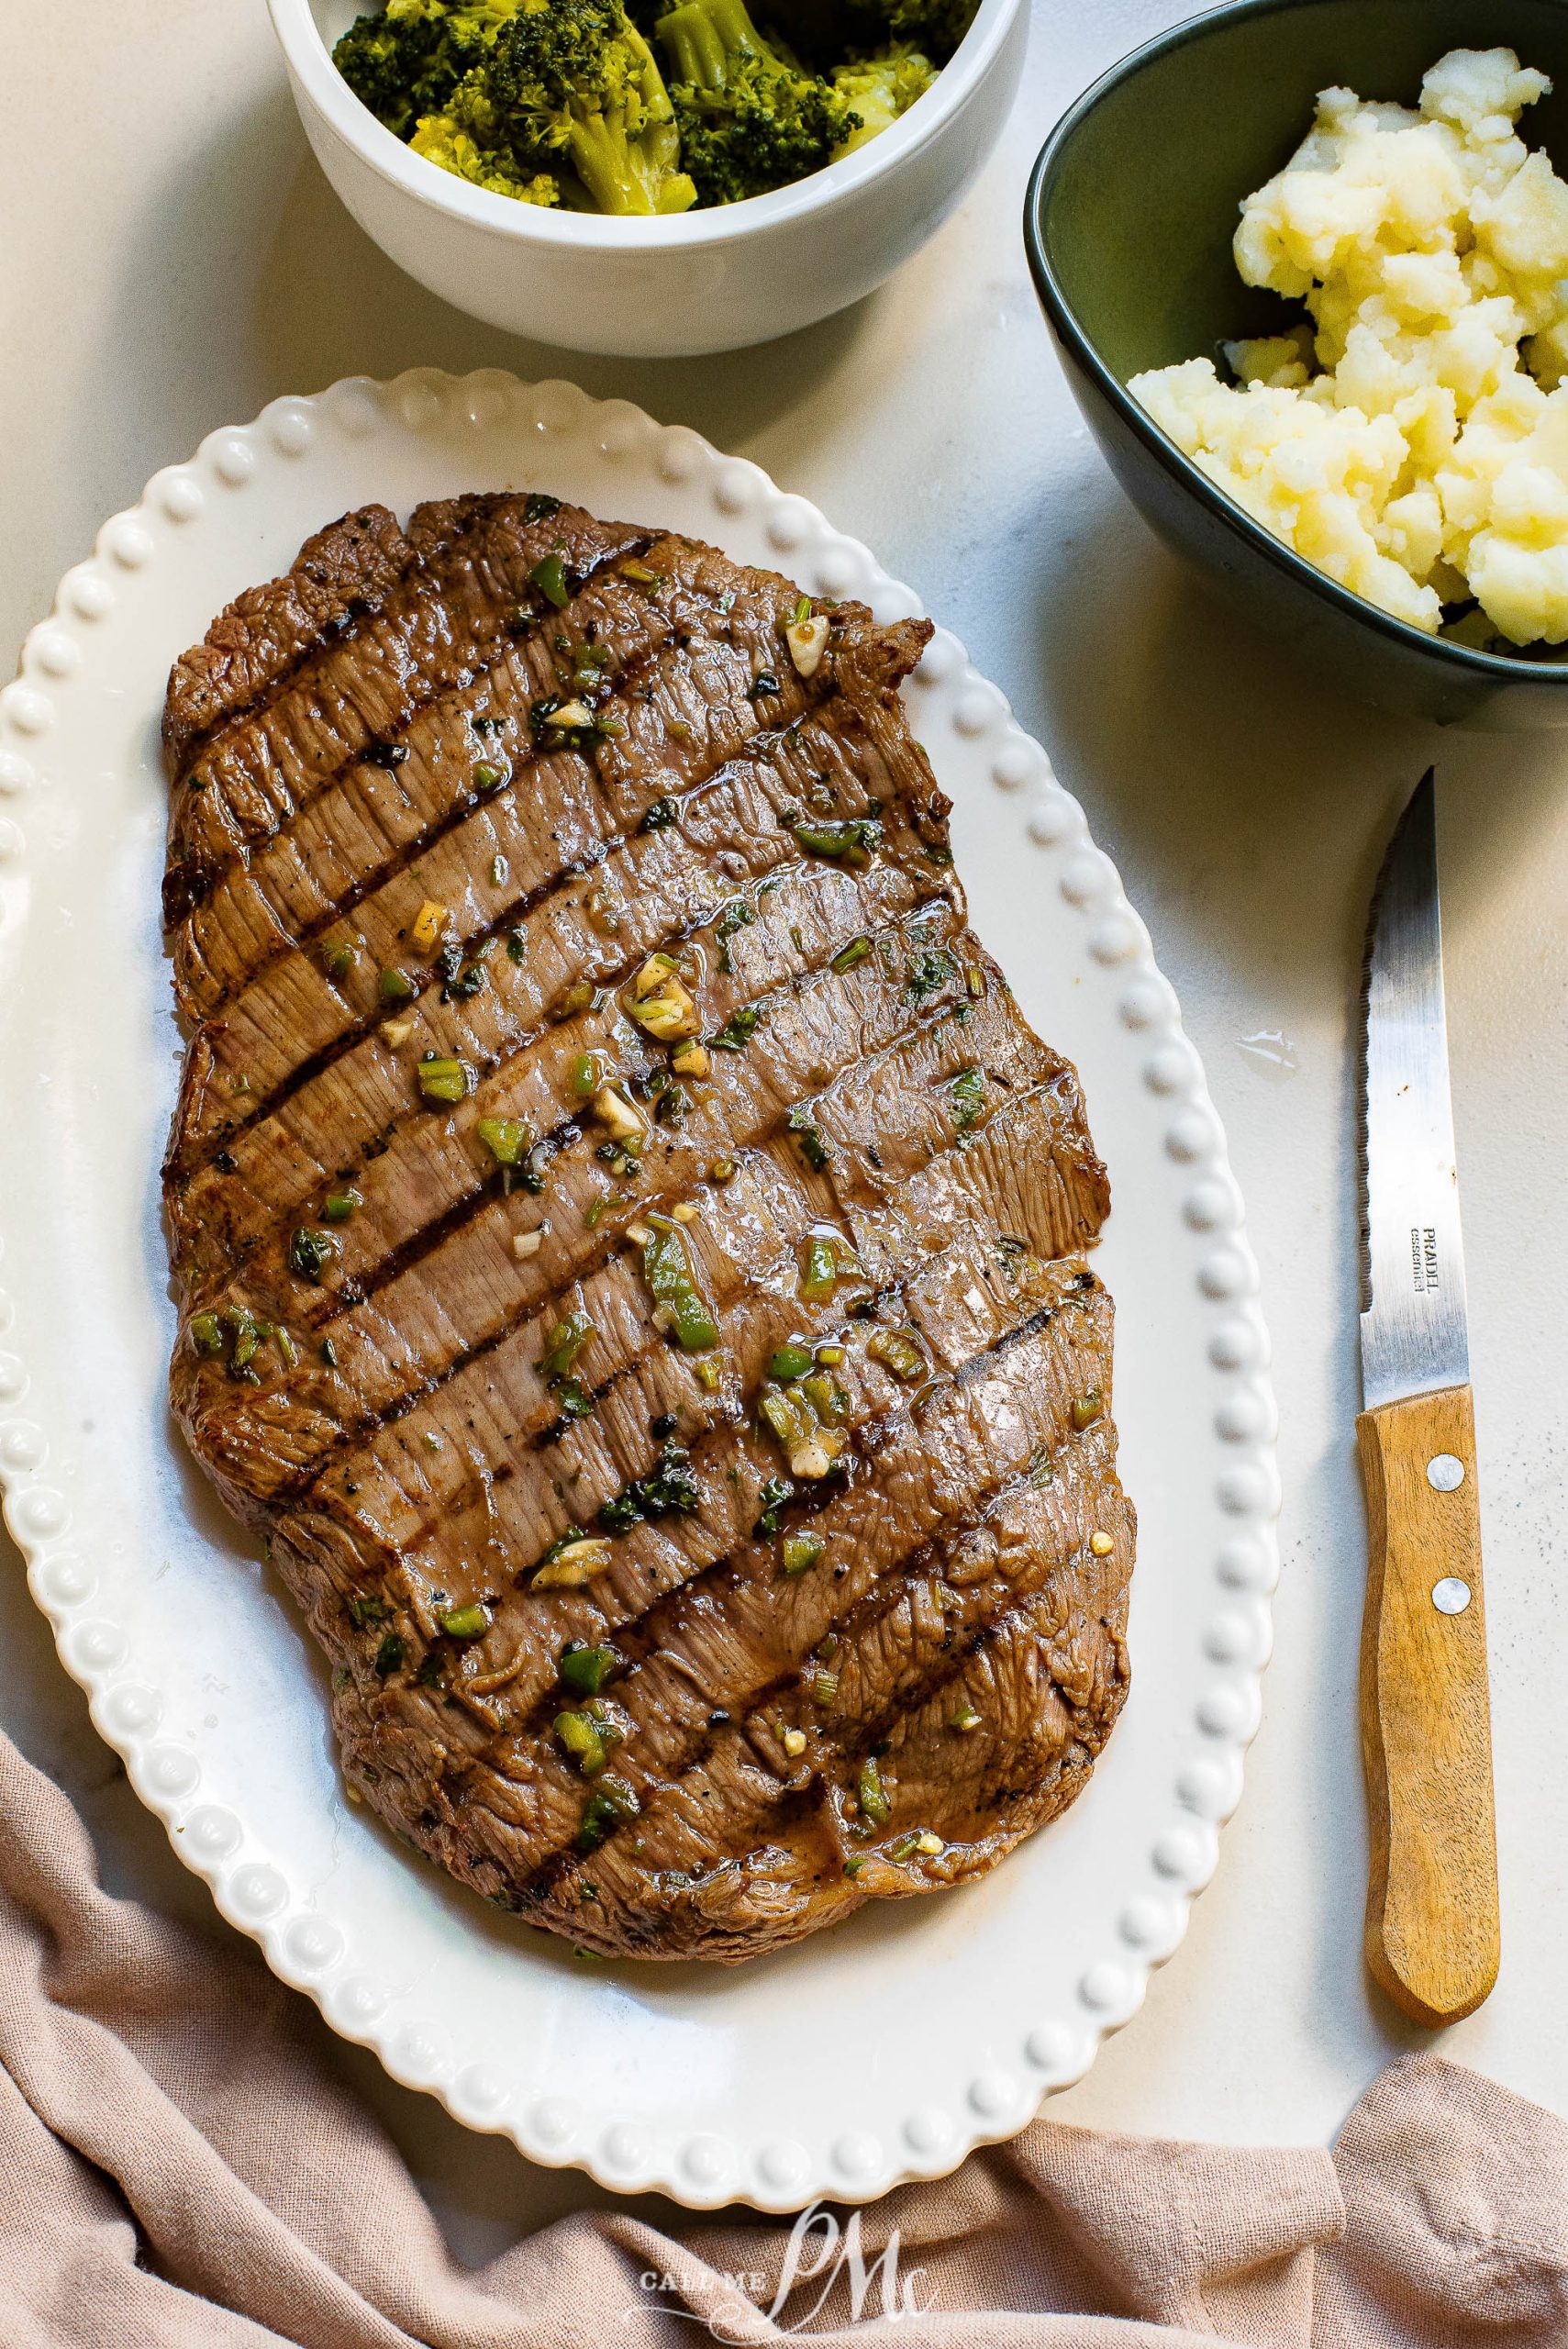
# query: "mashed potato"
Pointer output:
{"type": "Point", "coordinates": [1413, 441]}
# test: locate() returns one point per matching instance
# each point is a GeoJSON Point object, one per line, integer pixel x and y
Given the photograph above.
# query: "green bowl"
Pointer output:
{"type": "Point", "coordinates": [1129, 221]}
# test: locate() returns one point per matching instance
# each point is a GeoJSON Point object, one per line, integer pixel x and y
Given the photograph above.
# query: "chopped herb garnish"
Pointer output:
{"type": "Point", "coordinates": [328, 1353]}
{"type": "Point", "coordinates": [309, 1255]}
{"type": "Point", "coordinates": [540, 505]}
{"type": "Point", "coordinates": [207, 1333]}
{"type": "Point", "coordinates": [813, 1146]}
{"type": "Point", "coordinates": [338, 958]}
{"type": "Point", "coordinates": [563, 1345]}
{"type": "Point", "coordinates": [661, 814]}
{"type": "Point", "coordinates": [929, 969]}
{"type": "Point", "coordinates": [340, 1206]}
{"type": "Point", "coordinates": [847, 956]}
{"type": "Point", "coordinates": [739, 1029]}
{"type": "Point", "coordinates": [516, 946]}
{"type": "Point", "coordinates": [389, 1656]}
{"type": "Point", "coordinates": [366, 1611]}
{"type": "Point", "coordinates": [611, 1802]}
{"type": "Point", "coordinates": [968, 1092]}
{"type": "Point", "coordinates": [736, 916]}
{"type": "Point", "coordinates": [548, 575]}
{"type": "Point", "coordinates": [764, 682]}
{"type": "Point", "coordinates": [776, 1492]}
{"type": "Point", "coordinates": [825, 1688]}
{"type": "Point", "coordinates": [669, 1490]}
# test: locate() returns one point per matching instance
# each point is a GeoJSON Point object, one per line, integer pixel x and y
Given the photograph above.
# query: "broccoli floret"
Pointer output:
{"type": "Point", "coordinates": [407, 62]}
{"type": "Point", "coordinates": [749, 118]}
{"type": "Point", "coordinates": [442, 138]}
{"type": "Point", "coordinates": [933, 26]}
{"type": "Point", "coordinates": [574, 82]}
{"type": "Point", "coordinates": [880, 88]}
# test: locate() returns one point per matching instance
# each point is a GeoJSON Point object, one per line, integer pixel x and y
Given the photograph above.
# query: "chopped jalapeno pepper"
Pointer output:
{"type": "Point", "coordinates": [790, 1362]}
{"type": "Point", "coordinates": [465, 1622]}
{"type": "Point", "coordinates": [507, 1139]}
{"type": "Point", "coordinates": [444, 1080]}
{"type": "Point", "coordinates": [849, 839]}
{"type": "Point", "coordinates": [821, 1269]}
{"type": "Point", "coordinates": [548, 575]}
{"type": "Point", "coordinates": [667, 1269]}
{"type": "Point", "coordinates": [801, 1551]}
{"type": "Point", "coordinates": [585, 1669]}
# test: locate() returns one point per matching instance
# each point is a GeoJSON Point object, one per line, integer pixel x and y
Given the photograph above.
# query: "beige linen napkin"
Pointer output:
{"type": "Point", "coordinates": [183, 2167]}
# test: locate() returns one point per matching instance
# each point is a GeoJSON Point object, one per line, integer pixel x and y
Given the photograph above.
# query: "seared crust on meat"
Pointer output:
{"type": "Point", "coordinates": [862, 1565]}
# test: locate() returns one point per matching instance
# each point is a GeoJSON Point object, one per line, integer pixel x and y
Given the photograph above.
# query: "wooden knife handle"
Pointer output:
{"type": "Point", "coordinates": [1431, 1908]}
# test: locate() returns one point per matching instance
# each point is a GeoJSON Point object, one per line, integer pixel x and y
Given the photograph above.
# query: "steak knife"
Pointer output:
{"type": "Point", "coordinates": [1431, 1915]}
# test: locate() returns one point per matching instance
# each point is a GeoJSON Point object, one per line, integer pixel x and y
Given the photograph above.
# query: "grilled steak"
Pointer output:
{"type": "Point", "coordinates": [628, 1239]}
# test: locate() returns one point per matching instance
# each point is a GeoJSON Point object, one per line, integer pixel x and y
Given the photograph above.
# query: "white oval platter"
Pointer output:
{"type": "Point", "coordinates": [883, 2050]}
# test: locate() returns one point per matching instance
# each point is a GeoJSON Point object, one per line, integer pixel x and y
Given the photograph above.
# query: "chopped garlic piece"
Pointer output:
{"type": "Point", "coordinates": [574, 1565]}
{"type": "Point", "coordinates": [930, 1843]}
{"type": "Point", "coordinates": [427, 923]}
{"type": "Point", "coordinates": [528, 1243]}
{"type": "Point", "coordinates": [570, 714]}
{"type": "Point", "coordinates": [691, 1060]}
{"type": "Point", "coordinates": [684, 1213]}
{"type": "Point", "coordinates": [1101, 1544]}
{"type": "Point", "coordinates": [396, 1032]}
{"type": "Point", "coordinates": [666, 1010]}
{"type": "Point", "coordinates": [807, 642]}
{"type": "Point", "coordinates": [794, 1742]}
{"type": "Point", "coordinates": [653, 974]}
{"type": "Point", "coordinates": [613, 1110]}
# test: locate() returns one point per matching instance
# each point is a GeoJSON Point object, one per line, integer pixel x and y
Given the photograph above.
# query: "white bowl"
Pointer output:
{"type": "Point", "coordinates": [664, 287]}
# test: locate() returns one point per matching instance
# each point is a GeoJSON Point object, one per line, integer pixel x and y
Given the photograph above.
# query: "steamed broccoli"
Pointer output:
{"type": "Point", "coordinates": [933, 26]}
{"type": "Point", "coordinates": [442, 138]}
{"type": "Point", "coordinates": [406, 63]}
{"type": "Point", "coordinates": [882, 87]}
{"type": "Point", "coordinates": [574, 82]}
{"type": "Point", "coordinates": [749, 118]}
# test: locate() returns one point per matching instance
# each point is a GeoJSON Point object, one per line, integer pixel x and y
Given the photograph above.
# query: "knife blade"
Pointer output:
{"type": "Point", "coordinates": [1432, 1934]}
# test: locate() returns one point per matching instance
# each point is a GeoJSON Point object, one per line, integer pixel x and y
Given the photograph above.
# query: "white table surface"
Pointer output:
{"type": "Point", "coordinates": [171, 259]}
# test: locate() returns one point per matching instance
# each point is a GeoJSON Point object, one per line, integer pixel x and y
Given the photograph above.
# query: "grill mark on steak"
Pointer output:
{"type": "Point", "coordinates": [365, 686]}
{"type": "Point", "coordinates": [643, 670]}
{"type": "Point", "coordinates": [390, 1402]}
{"type": "Point", "coordinates": [733, 813]}
{"type": "Point", "coordinates": [669, 1717]}
{"type": "Point", "coordinates": [930, 1685]}
{"type": "Point", "coordinates": [430, 1465]}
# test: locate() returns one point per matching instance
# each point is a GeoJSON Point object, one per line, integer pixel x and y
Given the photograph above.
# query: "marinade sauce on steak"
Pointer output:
{"type": "Point", "coordinates": [630, 1241]}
